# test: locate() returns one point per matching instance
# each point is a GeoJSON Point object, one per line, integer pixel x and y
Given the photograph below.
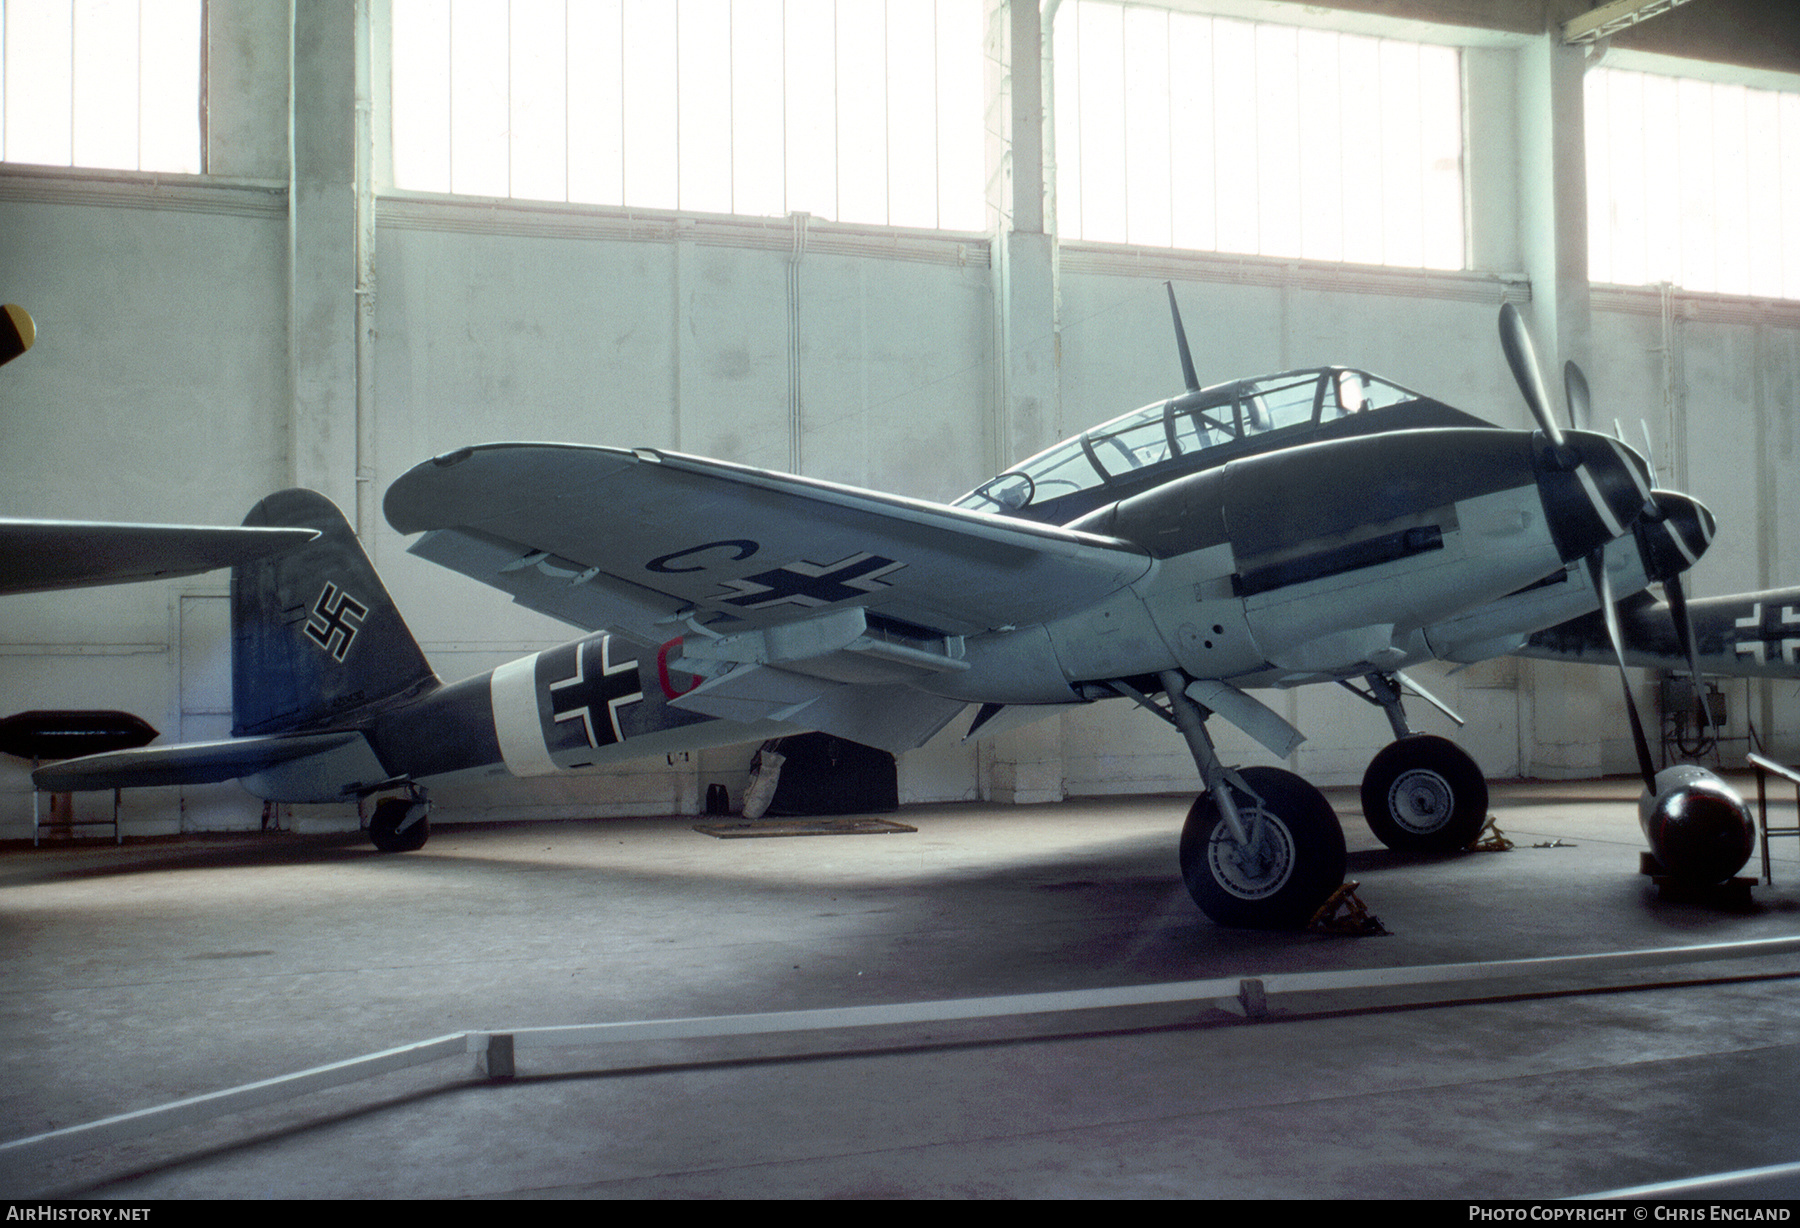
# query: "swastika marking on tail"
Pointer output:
{"type": "Point", "coordinates": [336, 618]}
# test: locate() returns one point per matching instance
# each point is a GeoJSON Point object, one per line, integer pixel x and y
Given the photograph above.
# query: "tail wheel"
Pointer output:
{"type": "Point", "coordinates": [384, 826]}
{"type": "Point", "coordinates": [1424, 794]}
{"type": "Point", "coordinates": [1294, 862]}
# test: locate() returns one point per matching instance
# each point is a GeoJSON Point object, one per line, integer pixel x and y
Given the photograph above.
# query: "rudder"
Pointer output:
{"type": "Point", "coordinates": [314, 633]}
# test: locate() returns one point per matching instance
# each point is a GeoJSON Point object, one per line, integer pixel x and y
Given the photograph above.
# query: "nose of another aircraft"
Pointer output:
{"type": "Point", "coordinates": [1678, 534]}
{"type": "Point", "coordinates": [1594, 489]}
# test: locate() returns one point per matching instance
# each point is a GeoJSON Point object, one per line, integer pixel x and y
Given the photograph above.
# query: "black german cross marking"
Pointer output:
{"type": "Point", "coordinates": [336, 618]}
{"type": "Point", "coordinates": [1776, 630]}
{"type": "Point", "coordinates": [812, 584]}
{"type": "Point", "coordinates": [594, 696]}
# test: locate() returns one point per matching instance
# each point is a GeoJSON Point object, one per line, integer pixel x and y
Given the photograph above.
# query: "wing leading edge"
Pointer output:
{"type": "Point", "coordinates": [640, 541]}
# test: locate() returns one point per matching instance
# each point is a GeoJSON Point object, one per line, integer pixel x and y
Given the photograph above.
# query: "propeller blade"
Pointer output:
{"type": "Point", "coordinates": [1522, 358]}
{"type": "Point", "coordinates": [1684, 633]}
{"type": "Point", "coordinates": [1575, 390]}
{"type": "Point", "coordinates": [1684, 626]}
{"type": "Point", "coordinates": [1603, 587]}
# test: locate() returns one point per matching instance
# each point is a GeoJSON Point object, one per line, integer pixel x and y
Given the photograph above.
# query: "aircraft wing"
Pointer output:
{"type": "Point", "coordinates": [1745, 635]}
{"type": "Point", "coordinates": [42, 555]}
{"type": "Point", "coordinates": [638, 541]}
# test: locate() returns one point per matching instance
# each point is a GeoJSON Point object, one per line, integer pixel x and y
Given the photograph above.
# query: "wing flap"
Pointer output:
{"type": "Point", "coordinates": [602, 537]}
{"type": "Point", "coordinates": [751, 693]}
{"type": "Point", "coordinates": [550, 585]}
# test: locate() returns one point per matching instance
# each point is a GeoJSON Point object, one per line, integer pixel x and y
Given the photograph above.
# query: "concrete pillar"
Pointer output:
{"type": "Point", "coordinates": [1024, 766]}
{"type": "Point", "coordinates": [1028, 400]}
{"type": "Point", "coordinates": [1553, 203]}
{"type": "Point", "coordinates": [1573, 708]}
{"type": "Point", "coordinates": [247, 62]}
{"type": "Point", "coordinates": [323, 249]}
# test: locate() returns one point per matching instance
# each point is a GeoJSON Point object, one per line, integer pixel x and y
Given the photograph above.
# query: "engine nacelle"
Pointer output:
{"type": "Point", "coordinates": [1697, 825]}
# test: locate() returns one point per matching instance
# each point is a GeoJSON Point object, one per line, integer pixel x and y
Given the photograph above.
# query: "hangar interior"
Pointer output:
{"type": "Point", "coordinates": [290, 316]}
{"type": "Point", "coordinates": [296, 309]}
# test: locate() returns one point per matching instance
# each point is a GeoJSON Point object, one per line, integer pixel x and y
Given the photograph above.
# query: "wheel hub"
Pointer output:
{"type": "Point", "coordinates": [1258, 870]}
{"type": "Point", "coordinates": [1421, 801]}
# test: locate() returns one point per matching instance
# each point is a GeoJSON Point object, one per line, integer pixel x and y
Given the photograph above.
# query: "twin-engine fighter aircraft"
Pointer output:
{"type": "Point", "coordinates": [1313, 526]}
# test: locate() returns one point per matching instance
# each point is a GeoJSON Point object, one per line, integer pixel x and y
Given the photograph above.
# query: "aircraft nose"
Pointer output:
{"type": "Point", "coordinates": [1594, 489]}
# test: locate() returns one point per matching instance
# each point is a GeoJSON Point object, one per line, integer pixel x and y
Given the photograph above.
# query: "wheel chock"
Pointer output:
{"type": "Point", "coordinates": [1491, 839]}
{"type": "Point", "coordinates": [1343, 913]}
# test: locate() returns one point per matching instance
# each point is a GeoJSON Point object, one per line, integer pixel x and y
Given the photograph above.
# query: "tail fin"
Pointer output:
{"type": "Point", "coordinates": [314, 634]}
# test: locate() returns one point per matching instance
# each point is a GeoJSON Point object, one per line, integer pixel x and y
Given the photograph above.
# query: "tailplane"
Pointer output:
{"type": "Point", "coordinates": [315, 635]}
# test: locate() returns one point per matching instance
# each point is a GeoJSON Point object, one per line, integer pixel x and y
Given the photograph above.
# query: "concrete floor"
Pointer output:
{"type": "Point", "coordinates": [169, 968]}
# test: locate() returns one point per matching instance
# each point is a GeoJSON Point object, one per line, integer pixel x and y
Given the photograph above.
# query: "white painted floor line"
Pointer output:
{"type": "Point", "coordinates": [497, 1047]}
{"type": "Point", "coordinates": [231, 1100]}
{"type": "Point", "coordinates": [1769, 1182]}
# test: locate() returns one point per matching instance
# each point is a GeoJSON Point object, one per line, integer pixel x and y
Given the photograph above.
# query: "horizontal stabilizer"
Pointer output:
{"type": "Point", "coordinates": [195, 763]}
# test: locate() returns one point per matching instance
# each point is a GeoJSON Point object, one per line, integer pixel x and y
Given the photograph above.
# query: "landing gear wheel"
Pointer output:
{"type": "Point", "coordinates": [1294, 864]}
{"type": "Point", "coordinates": [384, 827]}
{"type": "Point", "coordinates": [1424, 794]}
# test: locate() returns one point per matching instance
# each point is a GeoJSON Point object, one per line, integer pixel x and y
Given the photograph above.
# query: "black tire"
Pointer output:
{"type": "Point", "coordinates": [384, 827]}
{"type": "Point", "coordinates": [1424, 794]}
{"type": "Point", "coordinates": [1303, 862]}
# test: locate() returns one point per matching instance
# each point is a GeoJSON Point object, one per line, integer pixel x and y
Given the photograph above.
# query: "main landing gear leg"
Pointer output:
{"type": "Point", "coordinates": [401, 824]}
{"type": "Point", "coordinates": [1261, 849]}
{"type": "Point", "coordinates": [1422, 793]}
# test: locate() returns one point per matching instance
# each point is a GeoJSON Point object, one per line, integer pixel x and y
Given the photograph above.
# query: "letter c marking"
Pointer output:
{"type": "Point", "coordinates": [661, 563]}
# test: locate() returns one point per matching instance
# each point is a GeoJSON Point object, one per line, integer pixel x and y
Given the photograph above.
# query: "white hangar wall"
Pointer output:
{"type": "Point", "coordinates": [198, 350]}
